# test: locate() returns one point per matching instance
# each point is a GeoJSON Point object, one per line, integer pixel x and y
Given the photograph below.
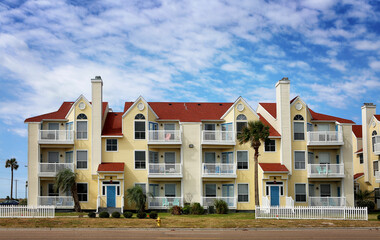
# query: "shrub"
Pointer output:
{"type": "Point", "coordinates": [92, 215]}
{"type": "Point", "coordinates": [186, 209]}
{"type": "Point", "coordinates": [104, 215]}
{"type": "Point", "coordinates": [128, 214]}
{"type": "Point", "coordinates": [221, 206]}
{"type": "Point", "coordinates": [141, 215]}
{"type": "Point", "coordinates": [23, 202]}
{"type": "Point", "coordinates": [176, 210]}
{"type": "Point", "coordinates": [211, 210]}
{"type": "Point", "coordinates": [116, 215]}
{"type": "Point", "coordinates": [378, 217]}
{"type": "Point", "coordinates": [367, 203]}
{"type": "Point", "coordinates": [153, 215]}
{"type": "Point", "coordinates": [197, 209]}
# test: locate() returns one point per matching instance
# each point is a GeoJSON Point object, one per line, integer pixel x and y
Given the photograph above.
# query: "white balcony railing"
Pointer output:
{"type": "Point", "coordinates": [51, 169]}
{"type": "Point", "coordinates": [164, 136]}
{"type": "Point", "coordinates": [57, 201]}
{"type": "Point", "coordinates": [218, 169]}
{"type": "Point", "coordinates": [327, 201]}
{"type": "Point", "coordinates": [164, 202]}
{"type": "Point", "coordinates": [209, 201]}
{"type": "Point", "coordinates": [325, 170]}
{"type": "Point", "coordinates": [325, 138]}
{"type": "Point", "coordinates": [56, 136]}
{"type": "Point", "coordinates": [377, 176]}
{"type": "Point", "coordinates": [376, 147]}
{"type": "Point", "coordinates": [165, 169]}
{"type": "Point", "coordinates": [218, 137]}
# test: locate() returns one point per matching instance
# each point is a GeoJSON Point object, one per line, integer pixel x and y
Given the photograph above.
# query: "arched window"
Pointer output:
{"type": "Point", "coordinates": [81, 116]}
{"type": "Point", "coordinates": [241, 122]}
{"type": "Point", "coordinates": [241, 117]}
{"type": "Point", "coordinates": [139, 126]}
{"type": "Point", "coordinates": [374, 134]}
{"type": "Point", "coordinates": [140, 117]}
{"type": "Point", "coordinates": [298, 117]}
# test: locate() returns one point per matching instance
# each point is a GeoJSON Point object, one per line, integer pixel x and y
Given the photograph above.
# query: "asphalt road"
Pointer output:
{"type": "Point", "coordinates": [118, 234]}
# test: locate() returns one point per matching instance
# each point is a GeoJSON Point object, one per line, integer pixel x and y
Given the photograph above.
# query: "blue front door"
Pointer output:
{"type": "Point", "coordinates": [274, 196]}
{"type": "Point", "coordinates": [111, 196]}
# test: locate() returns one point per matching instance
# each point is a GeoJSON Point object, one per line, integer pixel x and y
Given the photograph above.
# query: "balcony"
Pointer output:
{"type": "Point", "coordinates": [325, 138]}
{"type": "Point", "coordinates": [51, 169]}
{"type": "Point", "coordinates": [327, 201]}
{"type": "Point", "coordinates": [376, 146]}
{"type": "Point", "coordinates": [377, 176]}
{"type": "Point", "coordinates": [325, 170]}
{"type": "Point", "coordinates": [218, 137]}
{"type": "Point", "coordinates": [209, 201]}
{"type": "Point", "coordinates": [165, 170]}
{"type": "Point", "coordinates": [219, 170]}
{"type": "Point", "coordinates": [164, 137]}
{"type": "Point", "coordinates": [56, 137]}
{"type": "Point", "coordinates": [57, 201]}
{"type": "Point", "coordinates": [164, 202]}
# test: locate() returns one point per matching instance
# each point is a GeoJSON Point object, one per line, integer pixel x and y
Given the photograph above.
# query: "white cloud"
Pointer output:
{"type": "Point", "coordinates": [375, 65]}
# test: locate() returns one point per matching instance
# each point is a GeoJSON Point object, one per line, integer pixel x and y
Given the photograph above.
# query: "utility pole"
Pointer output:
{"type": "Point", "coordinates": [16, 187]}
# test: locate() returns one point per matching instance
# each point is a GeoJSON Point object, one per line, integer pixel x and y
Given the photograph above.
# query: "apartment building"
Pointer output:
{"type": "Point", "coordinates": [188, 152]}
{"type": "Point", "coordinates": [367, 151]}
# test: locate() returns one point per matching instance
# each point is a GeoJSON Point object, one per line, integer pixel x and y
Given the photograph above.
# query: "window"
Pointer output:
{"type": "Point", "coordinates": [81, 129]}
{"type": "Point", "coordinates": [111, 145]}
{"type": "Point", "coordinates": [139, 126]}
{"type": "Point", "coordinates": [299, 160]}
{"type": "Point", "coordinates": [139, 159]}
{"type": "Point", "coordinates": [325, 190]}
{"type": "Point", "coordinates": [169, 131]}
{"type": "Point", "coordinates": [142, 185]}
{"type": "Point", "coordinates": [361, 160]}
{"type": "Point", "coordinates": [242, 159]}
{"type": "Point", "coordinates": [82, 192]}
{"type": "Point", "coordinates": [299, 133]}
{"type": "Point", "coordinates": [81, 116]}
{"type": "Point", "coordinates": [279, 184]}
{"type": "Point", "coordinates": [69, 157]}
{"type": "Point", "coordinates": [241, 117]}
{"type": "Point", "coordinates": [270, 145]}
{"type": "Point", "coordinates": [374, 134]}
{"type": "Point", "coordinates": [300, 192]}
{"type": "Point", "coordinates": [241, 122]}
{"type": "Point", "coordinates": [210, 190]}
{"type": "Point", "coordinates": [51, 190]}
{"type": "Point", "coordinates": [53, 157]}
{"type": "Point", "coordinates": [81, 159]}
{"type": "Point", "coordinates": [375, 167]}
{"type": "Point", "coordinates": [298, 117]}
{"type": "Point", "coordinates": [153, 157]}
{"type": "Point", "coordinates": [243, 192]}
{"type": "Point", "coordinates": [170, 190]}
{"type": "Point", "coordinates": [53, 126]}
{"type": "Point", "coordinates": [154, 190]}
{"type": "Point", "coordinates": [310, 157]}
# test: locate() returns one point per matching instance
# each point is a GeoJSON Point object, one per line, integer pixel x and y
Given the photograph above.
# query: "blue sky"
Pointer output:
{"type": "Point", "coordinates": [182, 51]}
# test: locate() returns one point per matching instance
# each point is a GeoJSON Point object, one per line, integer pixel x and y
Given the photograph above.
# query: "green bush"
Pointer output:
{"type": "Point", "coordinates": [141, 215]}
{"type": "Point", "coordinates": [92, 215]}
{"type": "Point", "coordinates": [128, 214]}
{"type": "Point", "coordinates": [378, 217]}
{"type": "Point", "coordinates": [176, 210]}
{"type": "Point", "coordinates": [211, 210]}
{"type": "Point", "coordinates": [197, 209]}
{"type": "Point", "coordinates": [153, 215]}
{"type": "Point", "coordinates": [367, 203]}
{"type": "Point", "coordinates": [221, 206]}
{"type": "Point", "coordinates": [186, 209]}
{"type": "Point", "coordinates": [116, 215]}
{"type": "Point", "coordinates": [104, 215]}
{"type": "Point", "coordinates": [23, 202]}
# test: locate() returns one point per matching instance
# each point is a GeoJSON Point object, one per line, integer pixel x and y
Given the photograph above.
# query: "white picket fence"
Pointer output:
{"type": "Point", "coordinates": [316, 212]}
{"type": "Point", "coordinates": [27, 212]}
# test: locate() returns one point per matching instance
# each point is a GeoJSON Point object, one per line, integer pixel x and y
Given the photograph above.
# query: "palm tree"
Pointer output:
{"type": "Point", "coordinates": [254, 133]}
{"type": "Point", "coordinates": [136, 196]}
{"type": "Point", "coordinates": [11, 163]}
{"type": "Point", "coordinates": [363, 195]}
{"type": "Point", "coordinates": [65, 181]}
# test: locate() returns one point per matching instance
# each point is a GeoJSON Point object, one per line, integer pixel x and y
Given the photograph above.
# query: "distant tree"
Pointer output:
{"type": "Point", "coordinates": [13, 165]}
{"type": "Point", "coordinates": [65, 181]}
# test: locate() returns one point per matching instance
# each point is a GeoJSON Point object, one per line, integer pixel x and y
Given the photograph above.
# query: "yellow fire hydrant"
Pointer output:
{"type": "Point", "coordinates": [158, 220]}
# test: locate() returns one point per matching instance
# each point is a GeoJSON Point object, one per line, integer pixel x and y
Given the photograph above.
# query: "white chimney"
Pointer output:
{"type": "Point", "coordinates": [97, 100]}
{"type": "Point", "coordinates": [283, 121]}
{"type": "Point", "coordinates": [368, 110]}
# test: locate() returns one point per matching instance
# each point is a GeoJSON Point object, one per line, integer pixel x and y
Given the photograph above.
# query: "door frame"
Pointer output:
{"type": "Point", "coordinates": [279, 193]}
{"type": "Point", "coordinates": [114, 186]}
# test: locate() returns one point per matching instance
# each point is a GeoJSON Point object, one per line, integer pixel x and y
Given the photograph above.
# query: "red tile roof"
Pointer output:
{"type": "Point", "coordinates": [60, 114]}
{"type": "Point", "coordinates": [359, 151]}
{"type": "Point", "coordinates": [272, 131]}
{"type": "Point", "coordinates": [189, 111]}
{"type": "Point", "coordinates": [111, 167]}
{"type": "Point", "coordinates": [271, 108]}
{"type": "Point", "coordinates": [112, 125]}
{"type": "Point", "coordinates": [358, 175]}
{"type": "Point", "coordinates": [127, 105]}
{"type": "Point", "coordinates": [291, 101]}
{"type": "Point", "coordinates": [273, 167]}
{"type": "Point", "coordinates": [377, 117]}
{"type": "Point", "coordinates": [357, 130]}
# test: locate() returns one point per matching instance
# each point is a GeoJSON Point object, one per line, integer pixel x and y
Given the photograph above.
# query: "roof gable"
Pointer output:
{"type": "Point", "coordinates": [270, 108]}
{"type": "Point", "coordinates": [272, 131]}
{"type": "Point", "coordinates": [59, 114]}
{"type": "Point", "coordinates": [113, 124]}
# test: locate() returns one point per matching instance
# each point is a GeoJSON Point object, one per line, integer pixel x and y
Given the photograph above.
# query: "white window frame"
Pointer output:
{"type": "Point", "coordinates": [175, 189]}
{"type": "Point", "coordinates": [142, 183]}
{"type": "Point", "coordinates": [277, 184]}
{"type": "Point", "coordinates": [304, 132]}
{"type": "Point", "coordinates": [76, 159]}
{"type": "Point", "coordinates": [320, 188]}
{"type": "Point", "coordinates": [53, 123]}
{"type": "Point", "coordinates": [134, 160]}
{"type": "Point", "coordinates": [88, 196]}
{"type": "Point", "coordinates": [275, 146]}
{"type": "Point", "coordinates": [247, 160]}
{"type": "Point", "coordinates": [295, 193]}
{"type": "Point", "coordinates": [76, 129]}
{"type": "Point", "coordinates": [204, 157]}
{"type": "Point", "coordinates": [238, 192]}
{"type": "Point", "coordinates": [53, 152]}
{"type": "Point", "coordinates": [117, 185]}
{"type": "Point", "coordinates": [117, 145]}
{"type": "Point", "coordinates": [294, 160]}
{"type": "Point", "coordinates": [134, 130]}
